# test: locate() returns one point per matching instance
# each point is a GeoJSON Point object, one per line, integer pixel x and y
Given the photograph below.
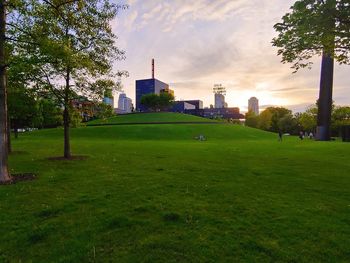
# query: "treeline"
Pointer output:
{"type": "Point", "coordinates": [27, 109]}
{"type": "Point", "coordinates": [277, 119]}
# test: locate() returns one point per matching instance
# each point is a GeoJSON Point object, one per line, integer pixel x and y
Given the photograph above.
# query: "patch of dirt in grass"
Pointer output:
{"type": "Point", "coordinates": [15, 178]}
{"type": "Point", "coordinates": [72, 158]}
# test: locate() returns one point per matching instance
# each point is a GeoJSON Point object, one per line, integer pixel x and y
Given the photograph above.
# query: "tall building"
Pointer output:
{"type": "Point", "coordinates": [219, 101]}
{"type": "Point", "coordinates": [219, 92]}
{"type": "Point", "coordinates": [124, 104]}
{"type": "Point", "coordinates": [150, 86]}
{"type": "Point", "coordinates": [253, 105]}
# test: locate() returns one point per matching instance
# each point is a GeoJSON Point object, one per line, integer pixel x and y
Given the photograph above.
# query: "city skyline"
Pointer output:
{"type": "Point", "coordinates": [200, 44]}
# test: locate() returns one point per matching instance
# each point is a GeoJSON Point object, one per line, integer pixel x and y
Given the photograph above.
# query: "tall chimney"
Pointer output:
{"type": "Point", "coordinates": [153, 68]}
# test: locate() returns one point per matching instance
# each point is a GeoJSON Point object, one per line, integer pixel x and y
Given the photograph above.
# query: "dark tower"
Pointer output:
{"type": "Point", "coordinates": [153, 68]}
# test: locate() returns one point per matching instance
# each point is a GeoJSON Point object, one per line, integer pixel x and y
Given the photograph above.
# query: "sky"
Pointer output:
{"type": "Point", "coordinates": [199, 43]}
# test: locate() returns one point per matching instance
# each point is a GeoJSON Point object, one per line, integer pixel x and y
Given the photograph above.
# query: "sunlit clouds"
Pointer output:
{"type": "Point", "coordinates": [199, 43]}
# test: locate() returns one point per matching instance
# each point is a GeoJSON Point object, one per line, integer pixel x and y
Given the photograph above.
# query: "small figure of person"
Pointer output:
{"type": "Point", "coordinates": [311, 135]}
{"type": "Point", "coordinates": [280, 135]}
{"type": "Point", "coordinates": [301, 135]}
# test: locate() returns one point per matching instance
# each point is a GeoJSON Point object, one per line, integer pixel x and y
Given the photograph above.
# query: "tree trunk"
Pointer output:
{"type": "Point", "coordinates": [325, 99]}
{"type": "Point", "coordinates": [66, 121]}
{"type": "Point", "coordinates": [4, 173]}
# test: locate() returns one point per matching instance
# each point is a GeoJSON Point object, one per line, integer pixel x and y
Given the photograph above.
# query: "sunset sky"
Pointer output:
{"type": "Point", "coordinates": [199, 43]}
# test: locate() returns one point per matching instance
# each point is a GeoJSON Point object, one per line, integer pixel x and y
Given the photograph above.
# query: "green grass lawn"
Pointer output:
{"type": "Point", "coordinates": [151, 193]}
{"type": "Point", "coordinates": [151, 117]}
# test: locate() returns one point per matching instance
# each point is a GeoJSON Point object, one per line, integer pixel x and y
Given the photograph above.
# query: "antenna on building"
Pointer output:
{"type": "Point", "coordinates": [219, 89]}
{"type": "Point", "coordinates": [153, 68]}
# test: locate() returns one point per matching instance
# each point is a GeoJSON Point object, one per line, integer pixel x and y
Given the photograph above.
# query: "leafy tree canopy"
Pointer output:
{"type": "Point", "coordinates": [156, 102]}
{"type": "Point", "coordinates": [313, 27]}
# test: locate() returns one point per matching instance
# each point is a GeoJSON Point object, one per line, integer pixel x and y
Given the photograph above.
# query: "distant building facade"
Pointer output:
{"type": "Point", "coordinates": [253, 105]}
{"type": "Point", "coordinates": [182, 106]}
{"type": "Point", "coordinates": [86, 108]}
{"type": "Point", "coordinates": [149, 86]}
{"type": "Point", "coordinates": [124, 104]}
{"type": "Point", "coordinates": [197, 103]}
{"type": "Point", "coordinates": [219, 101]}
{"type": "Point", "coordinates": [212, 113]}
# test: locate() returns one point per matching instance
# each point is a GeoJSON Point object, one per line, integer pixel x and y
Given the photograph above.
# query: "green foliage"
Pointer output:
{"type": "Point", "coordinates": [75, 118]}
{"type": "Point", "coordinates": [276, 119]}
{"type": "Point", "coordinates": [50, 114]}
{"type": "Point", "coordinates": [251, 119]}
{"type": "Point", "coordinates": [104, 111]}
{"type": "Point", "coordinates": [308, 119]}
{"type": "Point", "coordinates": [23, 108]}
{"type": "Point", "coordinates": [287, 123]}
{"type": "Point", "coordinates": [155, 102]}
{"type": "Point", "coordinates": [265, 120]}
{"type": "Point", "coordinates": [150, 101]}
{"type": "Point", "coordinates": [340, 117]}
{"type": "Point", "coordinates": [313, 27]}
{"type": "Point", "coordinates": [277, 114]}
{"type": "Point", "coordinates": [166, 100]}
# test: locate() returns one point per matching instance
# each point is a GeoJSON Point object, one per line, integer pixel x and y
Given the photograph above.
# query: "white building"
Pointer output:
{"type": "Point", "coordinates": [253, 105]}
{"type": "Point", "coordinates": [124, 104]}
{"type": "Point", "coordinates": [219, 101]}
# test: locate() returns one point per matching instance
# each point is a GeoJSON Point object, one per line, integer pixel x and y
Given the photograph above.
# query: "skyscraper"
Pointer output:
{"type": "Point", "coordinates": [219, 92]}
{"type": "Point", "coordinates": [219, 101]}
{"type": "Point", "coordinates": [253, 105]}
{"type": "Point", "coordinates": [124, 104]}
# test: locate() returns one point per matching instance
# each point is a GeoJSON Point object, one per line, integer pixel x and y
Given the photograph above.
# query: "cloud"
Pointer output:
{"type": "Point", "coordinates": [130, 21]}
{"type": "Point", "coordinates": [202, 61]}
{"type": "Point", "coordinates": [202, 42]}
{"type": "Point", "coordinates": [181, 11]}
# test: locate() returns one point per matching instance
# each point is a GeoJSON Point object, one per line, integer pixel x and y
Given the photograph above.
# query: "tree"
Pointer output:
{"type": "Point", "coordinates": [150, 101]}
{"type": "Point", "coordinates": [277, 113]}
{"type": "Point", "coordinates": [287, 123]}
{"type": "Point", "coordinates": [75, 46]}
{"type": "Point", "coordinates": [251, 119]}
{"type": "Point", "coordinates": [315, 27]}
{"type": "Point", "coordinates": [264, 121]}
{"type": "Point", "coordinates": [308, 119]}
{"type": "Point", "coordinates": [156, 102]}
{"type": "Point", "coordinates": [4, 174]}
{"type": "Point", "coordinates": [166, 100]}
{"type": "Point", "coordinates": [340, 117]}
{"type": "Point", "coordinates": [270, 119]}
{"type": "Point", "coordinates": [104, 111]}
{"type": "Point", "coordinates": [23, 109]}
{"type": "Point", "coordinates": [50, 115]}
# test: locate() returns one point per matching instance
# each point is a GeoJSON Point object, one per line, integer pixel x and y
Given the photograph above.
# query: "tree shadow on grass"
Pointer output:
{"type": "Point", "coordinates": [72, 158]}
{"type": "Point", "coordinates": [16, 178]}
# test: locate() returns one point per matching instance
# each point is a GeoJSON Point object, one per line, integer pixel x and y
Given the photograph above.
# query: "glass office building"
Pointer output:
{"type": "Point", "coordinates": [148, 86]}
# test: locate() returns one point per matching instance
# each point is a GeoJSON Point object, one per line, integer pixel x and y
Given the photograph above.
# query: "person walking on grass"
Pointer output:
{"type": "Point", "coordinates": [280, 135]}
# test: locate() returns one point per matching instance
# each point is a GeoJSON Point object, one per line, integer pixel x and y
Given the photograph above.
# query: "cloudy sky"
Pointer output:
{"type": "Point", "coordinates": [199, 43]}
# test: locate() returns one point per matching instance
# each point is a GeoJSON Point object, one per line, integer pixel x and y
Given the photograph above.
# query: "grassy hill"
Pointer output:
{"type": "Point", "coordinates": [150, 118]}
{"type": "Point", "coordinates": [152, 193]}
